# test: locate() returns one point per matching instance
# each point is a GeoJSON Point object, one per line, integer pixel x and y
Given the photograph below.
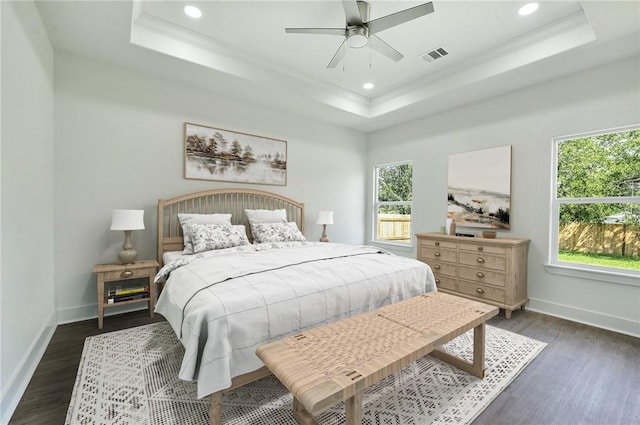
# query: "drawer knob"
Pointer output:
{"type": "Point", "coordinates": [437, 281]}
{"type": "Point", "coordinates": [479, 248]}
{"type": "Point", "coordinates": [437, 267]}
{"type": "Point", "coordinates": [480, 260]}
{"type": "Point", "coordinates": [437, 254]}
{"type": "Point", "coordinates": [437, 243]}
{"type": "Point", "coordinates": [480, 291]}
{"type": "Point", "coordinates": [126, 273]}
{"type": "Point", "coordinates": [480, 274]}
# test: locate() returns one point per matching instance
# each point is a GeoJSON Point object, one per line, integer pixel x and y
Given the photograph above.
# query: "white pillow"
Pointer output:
{"type": "Point", "coordinates": [207, 237]}
{"type": "Point", "coordinates": [277, 232]}
{"type": "Point", "coordinates": [266, 216]}
{"type": "Point", "coordinates": [185, 219]}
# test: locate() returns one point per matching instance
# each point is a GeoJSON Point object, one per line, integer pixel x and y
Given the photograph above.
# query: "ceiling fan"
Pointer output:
{"type": "Point", "coordinates": [359, 31]}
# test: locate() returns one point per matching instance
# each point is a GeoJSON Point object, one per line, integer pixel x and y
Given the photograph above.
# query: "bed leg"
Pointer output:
{"type": "Point", "coordinates": [215, 410]}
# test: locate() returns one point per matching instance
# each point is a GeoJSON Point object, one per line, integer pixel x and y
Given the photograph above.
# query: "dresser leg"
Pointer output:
{"type": "Point", "coordinates": [507, 314]}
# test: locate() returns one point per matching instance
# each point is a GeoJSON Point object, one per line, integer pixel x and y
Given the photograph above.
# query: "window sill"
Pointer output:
{"type": "Point", "coordinates": [394, 245]}
{"type": "Point", "coordinates": [629, 278]}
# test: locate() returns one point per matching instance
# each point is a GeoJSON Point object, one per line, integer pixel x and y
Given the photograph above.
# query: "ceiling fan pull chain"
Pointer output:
{"type": "Point", "coordinates": [344, 55]}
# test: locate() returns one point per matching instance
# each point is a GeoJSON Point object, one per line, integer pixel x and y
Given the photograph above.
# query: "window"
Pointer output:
{"type": "Point", "coordinates": [393, 198]}
{"type": "Point", "coordinates": [596, 202]}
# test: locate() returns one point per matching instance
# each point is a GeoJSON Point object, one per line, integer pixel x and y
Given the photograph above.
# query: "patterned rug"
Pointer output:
{"type": "Point", "coordinates": [130, 377]}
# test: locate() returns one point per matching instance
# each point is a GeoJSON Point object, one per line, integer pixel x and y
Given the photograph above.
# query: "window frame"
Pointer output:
{"type": "Point", "coordinates": [579, 270]}
{"type": "Point", "coordinates": [377, 204]}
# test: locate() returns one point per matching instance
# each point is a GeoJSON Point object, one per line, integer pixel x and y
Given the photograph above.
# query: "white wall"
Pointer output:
{"type": "Point", "coordinates": [600, 98]}
{"type": "Point", "coordinates": [119, 144]}
{"type": "Point", "coordinates": [27, 302]}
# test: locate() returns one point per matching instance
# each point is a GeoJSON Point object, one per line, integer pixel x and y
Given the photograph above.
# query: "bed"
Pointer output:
{"type": "Point", "coordinates": [224, 302]}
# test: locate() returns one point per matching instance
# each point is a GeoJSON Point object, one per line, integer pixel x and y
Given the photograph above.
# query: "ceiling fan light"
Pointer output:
{"type": "Point", "coordinates": [357, 37]}
{"type": "Point", "coordinates": [368, 86]}
{"type": "Point", "coordinates": [192, 11]}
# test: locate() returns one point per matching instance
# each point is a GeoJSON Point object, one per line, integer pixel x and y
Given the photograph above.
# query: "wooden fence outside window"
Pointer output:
{"type": "Point", "coordinates": [394, 227]}
{"type": "Point", "coordinates": [615, 239]}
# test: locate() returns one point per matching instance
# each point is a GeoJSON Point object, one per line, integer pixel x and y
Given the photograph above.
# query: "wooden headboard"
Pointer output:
{"type": "Point", "coordinates": [228, 201]}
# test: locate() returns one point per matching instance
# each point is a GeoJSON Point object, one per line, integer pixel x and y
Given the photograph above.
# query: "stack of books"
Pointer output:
{"type": "Point", "coordinates": [118, 294]}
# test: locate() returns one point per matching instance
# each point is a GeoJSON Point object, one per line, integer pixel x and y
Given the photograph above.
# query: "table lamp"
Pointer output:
{"type": "Point", "coordinates": [324, 218]}
{"type": "Point", "coordinates": [127, 220]}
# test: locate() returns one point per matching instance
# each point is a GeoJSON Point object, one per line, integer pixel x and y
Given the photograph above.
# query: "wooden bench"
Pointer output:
{"type": "Point", "coordinates": [336, 362]}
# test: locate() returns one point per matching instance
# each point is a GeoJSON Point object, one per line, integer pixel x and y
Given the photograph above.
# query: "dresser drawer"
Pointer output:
{"type": "Point", "coordinates": [481, 292]}
{"type": "Point", "coordinates": [127, 274]}
{"type": "Point", "coordinates": [482, 276]}
{"type": "Point", "coordinates": [438, 254]}
{"type": "Point", "coordinates": [446, 282]}
{"type": "Point", "coordinates": [478, 247]}
{"type": "Point", "coordinates": [484, 261]}
{"type": "Point", "coordinates": [446, 269]}
{"type": "Point", "coordinates": [438, 244]}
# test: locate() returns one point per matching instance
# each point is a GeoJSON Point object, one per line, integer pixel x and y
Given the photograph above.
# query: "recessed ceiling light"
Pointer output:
{"type": "Point", "coordinates": [192, 11]}
{"type": "Point", "coordinates": [528, 9]}
{"type": "Point", "coordinates": [367, 86]}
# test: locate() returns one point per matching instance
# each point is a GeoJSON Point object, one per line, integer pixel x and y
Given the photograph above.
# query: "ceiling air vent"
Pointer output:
{"type": "Point", "coordinates": [434, 54]}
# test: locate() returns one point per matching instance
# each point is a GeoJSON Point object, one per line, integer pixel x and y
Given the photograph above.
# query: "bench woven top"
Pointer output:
{"type": "Point", "coordinates": [330, 363]}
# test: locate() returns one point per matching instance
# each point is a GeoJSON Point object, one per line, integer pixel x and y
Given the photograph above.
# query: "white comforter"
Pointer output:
{"type": "Point", "coordinates": [224, 304]}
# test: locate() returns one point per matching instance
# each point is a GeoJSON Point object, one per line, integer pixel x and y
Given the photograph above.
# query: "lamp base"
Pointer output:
{"type": "Point", "coordinates": [324, 237]}
{"type": "Point", "coordinates": [127, 256]}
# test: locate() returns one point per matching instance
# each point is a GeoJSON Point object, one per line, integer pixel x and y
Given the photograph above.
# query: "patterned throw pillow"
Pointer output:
{"type": "Point", "coordinates": [277, 232]}
{"type": "Point", "coordinates": [187, 218]}
{"type": "Point", "coordinates": [207, 237]}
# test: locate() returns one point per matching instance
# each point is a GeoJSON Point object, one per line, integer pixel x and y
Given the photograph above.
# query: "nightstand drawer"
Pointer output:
{"type": "Point", "coordinates": [484, 261]}
{"type": "Point", "coordinates": [482, 276]}
{"type": "Point", "coordinates": [482, 291]}
{"type": "Point", "coordinates": [128, 274]}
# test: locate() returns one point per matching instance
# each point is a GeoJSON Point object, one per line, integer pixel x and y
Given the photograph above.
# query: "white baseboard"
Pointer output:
{"type": "Point", "coordinates": [587, 317]}
{"type": "Point", "coordinates": [18, 382]}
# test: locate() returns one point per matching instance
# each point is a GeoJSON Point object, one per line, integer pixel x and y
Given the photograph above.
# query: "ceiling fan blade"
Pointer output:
{"type": "Point", "coordinates": [398, 18]}
{"type": "Point", "coordinates": [383, 48]}
{"type": "Point", "coordinates": [337, 58]}
{"type": "Point", "coordinates": [324, 31]}
{"type": "Point", "coordinates": [352, 12]}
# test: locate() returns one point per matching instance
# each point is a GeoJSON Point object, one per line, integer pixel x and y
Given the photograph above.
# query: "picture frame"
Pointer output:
{"type": "Point", "coordinates": [479, 188]}
{"type": "Point", "coordinates": [217, 154]}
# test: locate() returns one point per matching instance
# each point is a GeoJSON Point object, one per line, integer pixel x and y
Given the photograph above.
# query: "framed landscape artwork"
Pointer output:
{"type": "Point", "coordinates": [224, 155]}
{"type": "Point", "coordinates": [479, 188]}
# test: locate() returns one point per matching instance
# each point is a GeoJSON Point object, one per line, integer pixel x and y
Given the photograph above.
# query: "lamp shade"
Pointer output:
{"type": "Point", "coordinates": [127, 220]}
{"type": "Point", "coordinates": [325, 217]}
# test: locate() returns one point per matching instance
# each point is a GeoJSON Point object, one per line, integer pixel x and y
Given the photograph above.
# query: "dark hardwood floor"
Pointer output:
{"type": "Point", "coordinates": [584, 376]}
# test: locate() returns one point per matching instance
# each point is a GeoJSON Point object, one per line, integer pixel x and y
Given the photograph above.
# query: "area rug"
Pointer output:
{"type": "Point", "coordinates": [131, 377]}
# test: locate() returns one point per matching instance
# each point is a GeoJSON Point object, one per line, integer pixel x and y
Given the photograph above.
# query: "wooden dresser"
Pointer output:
{"type": "Point", "coordinates": [493, 271]}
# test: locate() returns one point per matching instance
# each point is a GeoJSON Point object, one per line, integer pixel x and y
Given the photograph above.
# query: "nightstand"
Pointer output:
{"type": "Point", "coordinates": [110, 274]}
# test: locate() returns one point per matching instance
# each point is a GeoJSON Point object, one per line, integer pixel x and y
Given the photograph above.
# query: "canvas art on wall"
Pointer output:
{"type": "Point", "coordinates": [479, 192]}
{"type": "Point", "coordinates": [217, 154]}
